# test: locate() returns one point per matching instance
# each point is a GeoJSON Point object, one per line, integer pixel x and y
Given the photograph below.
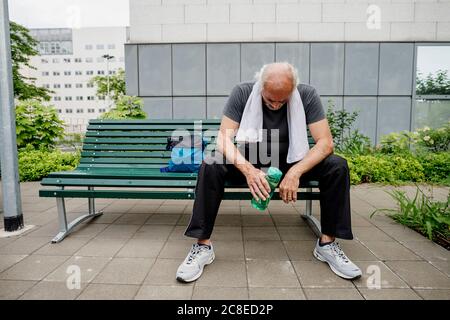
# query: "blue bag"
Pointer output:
{"type": "Point", "coordinates": [187, 153]}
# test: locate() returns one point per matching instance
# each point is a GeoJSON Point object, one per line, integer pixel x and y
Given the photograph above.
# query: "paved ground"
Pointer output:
{"type": "Point", "coordinates": [133, 250]}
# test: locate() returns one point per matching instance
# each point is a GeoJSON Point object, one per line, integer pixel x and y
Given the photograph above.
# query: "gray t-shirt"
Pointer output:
{"type": "Point", "coordinates": [275, 119]}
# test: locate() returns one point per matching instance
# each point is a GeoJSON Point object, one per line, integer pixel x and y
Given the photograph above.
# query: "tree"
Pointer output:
{"type": "Point", "coordinates": [116, 85]}
{"type": "Point", "coordinates": [433, 84]}
{"type": "Point", "coordinates": [22, 48]}
{"type": "Point", "coordinates": [127, 107]}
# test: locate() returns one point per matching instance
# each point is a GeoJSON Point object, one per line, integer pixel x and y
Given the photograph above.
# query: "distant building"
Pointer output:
{"type": "Point", "coordinates": [68, 59]}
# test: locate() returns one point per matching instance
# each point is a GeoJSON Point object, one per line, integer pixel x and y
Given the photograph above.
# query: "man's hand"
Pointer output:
{"type": "Point", "coordinates": [259, 187]}
{"type": "Point", "coordinates": [289, 186]}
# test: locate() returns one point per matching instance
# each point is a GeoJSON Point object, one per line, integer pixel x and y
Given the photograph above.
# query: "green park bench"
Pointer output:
{"type": "Point", "coordinates": [124, 156]}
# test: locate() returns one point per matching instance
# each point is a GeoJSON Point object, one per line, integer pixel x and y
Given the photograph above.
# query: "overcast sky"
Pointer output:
{"type": "Point", "coordinates": [69, 13]}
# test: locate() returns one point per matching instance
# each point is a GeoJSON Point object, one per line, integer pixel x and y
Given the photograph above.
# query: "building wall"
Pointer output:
{"type": "Point", "coordinates": [288, 20]}
{"type": "Point", "coordinates": [194, 80]}
{"type": "Point", "coordinates": [77, 121]}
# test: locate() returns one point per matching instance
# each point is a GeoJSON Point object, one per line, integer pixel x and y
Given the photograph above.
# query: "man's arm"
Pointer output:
{"type": "Point", "coordinates": [323, 147]}
{"type": "Point", "coordinates": [259, 187]}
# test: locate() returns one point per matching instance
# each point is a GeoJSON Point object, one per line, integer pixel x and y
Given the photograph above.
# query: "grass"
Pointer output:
{"type": "Point", "coordinates": [423, 214]}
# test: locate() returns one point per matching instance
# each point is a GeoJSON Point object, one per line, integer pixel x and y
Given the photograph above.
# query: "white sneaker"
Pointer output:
{"type": "Point", "coordinates": [337, 260]}
{"type": "Point", "coordinates": [192, 267]}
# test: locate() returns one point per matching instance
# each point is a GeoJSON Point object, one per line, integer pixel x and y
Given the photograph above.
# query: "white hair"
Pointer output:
{"type": "Point", "coordinates": [261, 75]}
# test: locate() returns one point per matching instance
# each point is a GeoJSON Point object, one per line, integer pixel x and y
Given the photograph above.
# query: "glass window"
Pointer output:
{"type": "Point", "coordinates": [100, 59]}
{"type": "Point", "coordinates": [88, 47]}
{"type": "Point", "coordinates": [68, 110]}
{"type": "Point", "coordinates": [55, 60]}
{"type": "Point", "coordinates": [79, 98]}
{"type": "Point", "coordinates": [56, 86]}
{"type": "Point", "coordinates": [44, 60]}
{"type": "Point", "coordinates": [80, 110]}
{"type": "Point", "coordinates": [90, 98]}
{"type": "Point", "coordinates": [66, 60]}
{"type": "Point", "coordinates": [79, 85]}
{"type": "Point", "coordinates": [67, 86]}
{"type": "Point", "coordinates": [89, 73]}
{"type": "Point", "coordinates": [100, 72]}
{"type": "Point", "coordinates": [78, 73]}
{"type": "Point", "coordinates": [111, 46]}
{"type": "Point", "coordinates": [432, 105]}
{"type": "Point", "coordinates": [68, 98]}
{"type": "Point", "coordinates": [77, 60]}
{"type": "Point", "coordinates": [90, 110]}
{"type": "Point", "coordinates": [45, 73]}
{"type": "Point", "coordinates": [57, 98]}
{"type": "Point", "coordinates": [100, 47]}
{"type": "Point", "coordinates": [89, 60]}
{"type": "Point", "coordinates": [56, 73]}
{"type": "Point", "coordinates": [90, 85]}
{"type": "Point", "coordinates": [67, 73]}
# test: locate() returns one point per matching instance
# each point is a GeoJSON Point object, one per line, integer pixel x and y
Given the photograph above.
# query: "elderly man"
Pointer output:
{"type": "Point", "coordinates": [285, 108]}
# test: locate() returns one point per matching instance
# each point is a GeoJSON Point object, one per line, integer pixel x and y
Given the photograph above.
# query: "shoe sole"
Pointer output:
{"type": "Point", "coordinates": [340, 274]}
{"type": "Point", "coordinates": [198, 275]}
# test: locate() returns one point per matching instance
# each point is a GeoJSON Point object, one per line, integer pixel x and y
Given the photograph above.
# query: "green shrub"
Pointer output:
{"type": "Point", "coordinates": [396, 142]}
{"type": "Point", "coordinates": [384, 168]}
{"type": "Point", "coordinates": [37, 164]}
{"type": "Point", "coordinates": [433, 140]}
{"type": "Point", "coordinates": [37, 125]}
{"type": "Point", "coordinates": [436, 167]}
{"type": "Point", "coordinates": [431, 218]}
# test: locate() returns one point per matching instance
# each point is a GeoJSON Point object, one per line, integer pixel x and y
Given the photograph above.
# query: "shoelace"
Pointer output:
{"type": "Point", "coordinates": [338, 251]}
{"type": "Point", "coordinates": [193, 254]}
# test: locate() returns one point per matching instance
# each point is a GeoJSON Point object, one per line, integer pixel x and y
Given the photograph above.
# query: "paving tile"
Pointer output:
{"type": "Point", "coordinates": [178, 234]}
{"type": "Point", "coordinates": [296, 233]}
{"type": "Point", "coordinates": [356, 251]}
{"type": "Point", "coordinates": [277, 294]}
{"type": "Point", "coordinates": [227, 233]}
{"type": "Point", "coordinates": [133, 218]}
{"type": "Point", "coordinates": [145, 208]}
{"type": "Point", "coordinates": [7, 261]}
{"type": "Point", "coordinates": [444, 266]}
{"type": "Point", "coordinates": [46, 290]}
{"type": "Point", "coordinates": [171, 209]}
{"type": "Point", "coordinates": [12, 289]}
{"type": "Point", "coordinates": [97, 291]}
{"type": "Point", "coordinates": [164, 293]}
{"type": "Point", "coordinates": [317, 274]}
{"type": "Point", "coordinates": [88, 230]}
{"type": "Point", "coordinates": [403, 234]}
{"type": "Point", "coordinates": [390, 294]}
{"type": "Point", "coordinates": [332, 294]}
{"type": "Point", "coordinates": [374, 271]}
{"type": "Point", "coordinates": [118, 231]}
{"type": "Point", "coordinates": [260, 233]}
{"type": "Point", "coordinates": [101, 247]}
{"type": "Point", "coordinates": [222, 273]}
{"type": "Point", "coordinates": [184, 220]}
{"type": "Point", "coordinates": [271, 273]}
{"type": "Point", "coordinates": [24, 245]}
{"type": "Point", "coordinates": [289, 220]}
{"type": "Point", "coordinates": [359, 221]}
{"type": "Point", "coordinates": [67, 247]}
{"type": "Point", "coordinates": [229, 250]}
{"type": "Point", "coordinates": [387, 250]}
{"type": "Point", "coordinates": [228, 210]}
{"type": "Point", "coordinates": [428, 250]}
{"type": "Point", "coordinates": [420, 274]}
{"type": "Point", "coordinates": [155, 232]}
{"type": "Point", "coordinates": [248, 210]}
{"type": "Point", "coordinates": [434, 294]}
{"type": "Point", "coordinates": [125, 271]}
{"type": "Point", "coordinates": [107, 218]}
{"type": "Point", "coordinates": [263, 220]}
{"type": "Point", "coordinates": [230, 220]}
{"type": "Point", "coordinates": [141, 248]}
{"type": "Point", "coordinates": [218, 293]}
{"type": "Point", "coordinates": [33, 267]}
{"type": "Point", "coordinates": [89, 268]}
{"type": "Point", "coordinates": [300, 249]}
{"type": "Point", "coordinates": [263, 249]}
{"type": "Point", "coordinates": [163, 272]}
{"type": "Point", "coordinates": [176, 249]}
{"type": "Point", "coordinates": [370, 234]}
{"type": "Point", "coordinates": [161, 218]}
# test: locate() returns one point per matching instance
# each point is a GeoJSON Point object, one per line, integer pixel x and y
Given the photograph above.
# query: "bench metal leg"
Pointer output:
{"type": "Point", "coordinates": [64, 227]}
{"type": "Point", "coordinates": [310, 219]}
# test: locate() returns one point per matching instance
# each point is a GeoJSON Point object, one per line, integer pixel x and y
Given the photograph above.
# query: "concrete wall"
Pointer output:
{"type": "Point", "coordinates": [288, 20]}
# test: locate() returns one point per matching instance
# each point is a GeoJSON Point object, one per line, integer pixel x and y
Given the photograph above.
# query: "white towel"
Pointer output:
{"type": "Point", "coordinates": [250, 128]}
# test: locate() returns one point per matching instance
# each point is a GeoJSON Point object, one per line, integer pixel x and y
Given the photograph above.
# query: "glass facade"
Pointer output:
{"type": "Point", "coordinates": [53, 41]}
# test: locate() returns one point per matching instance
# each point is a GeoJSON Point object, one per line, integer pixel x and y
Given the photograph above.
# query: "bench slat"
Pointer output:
{"type": "Point", "coordinates": [149, 127]}
{"type": "Point", "coordinates": [140, 194]}
{"type": "Point", "coordinates": [154, 121]}
{"type": "Point", "coordinates": [130, 147]}
{"type": "Point", "coordinates": [125, 154]}
{"type": "Point", "coordinates": [125, 160]}
{"type": "Point", "coordinates": [130, 173]}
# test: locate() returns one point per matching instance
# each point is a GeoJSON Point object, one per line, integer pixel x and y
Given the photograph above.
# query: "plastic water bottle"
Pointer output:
{"type": "Point", "coordinates": [273, 176]}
